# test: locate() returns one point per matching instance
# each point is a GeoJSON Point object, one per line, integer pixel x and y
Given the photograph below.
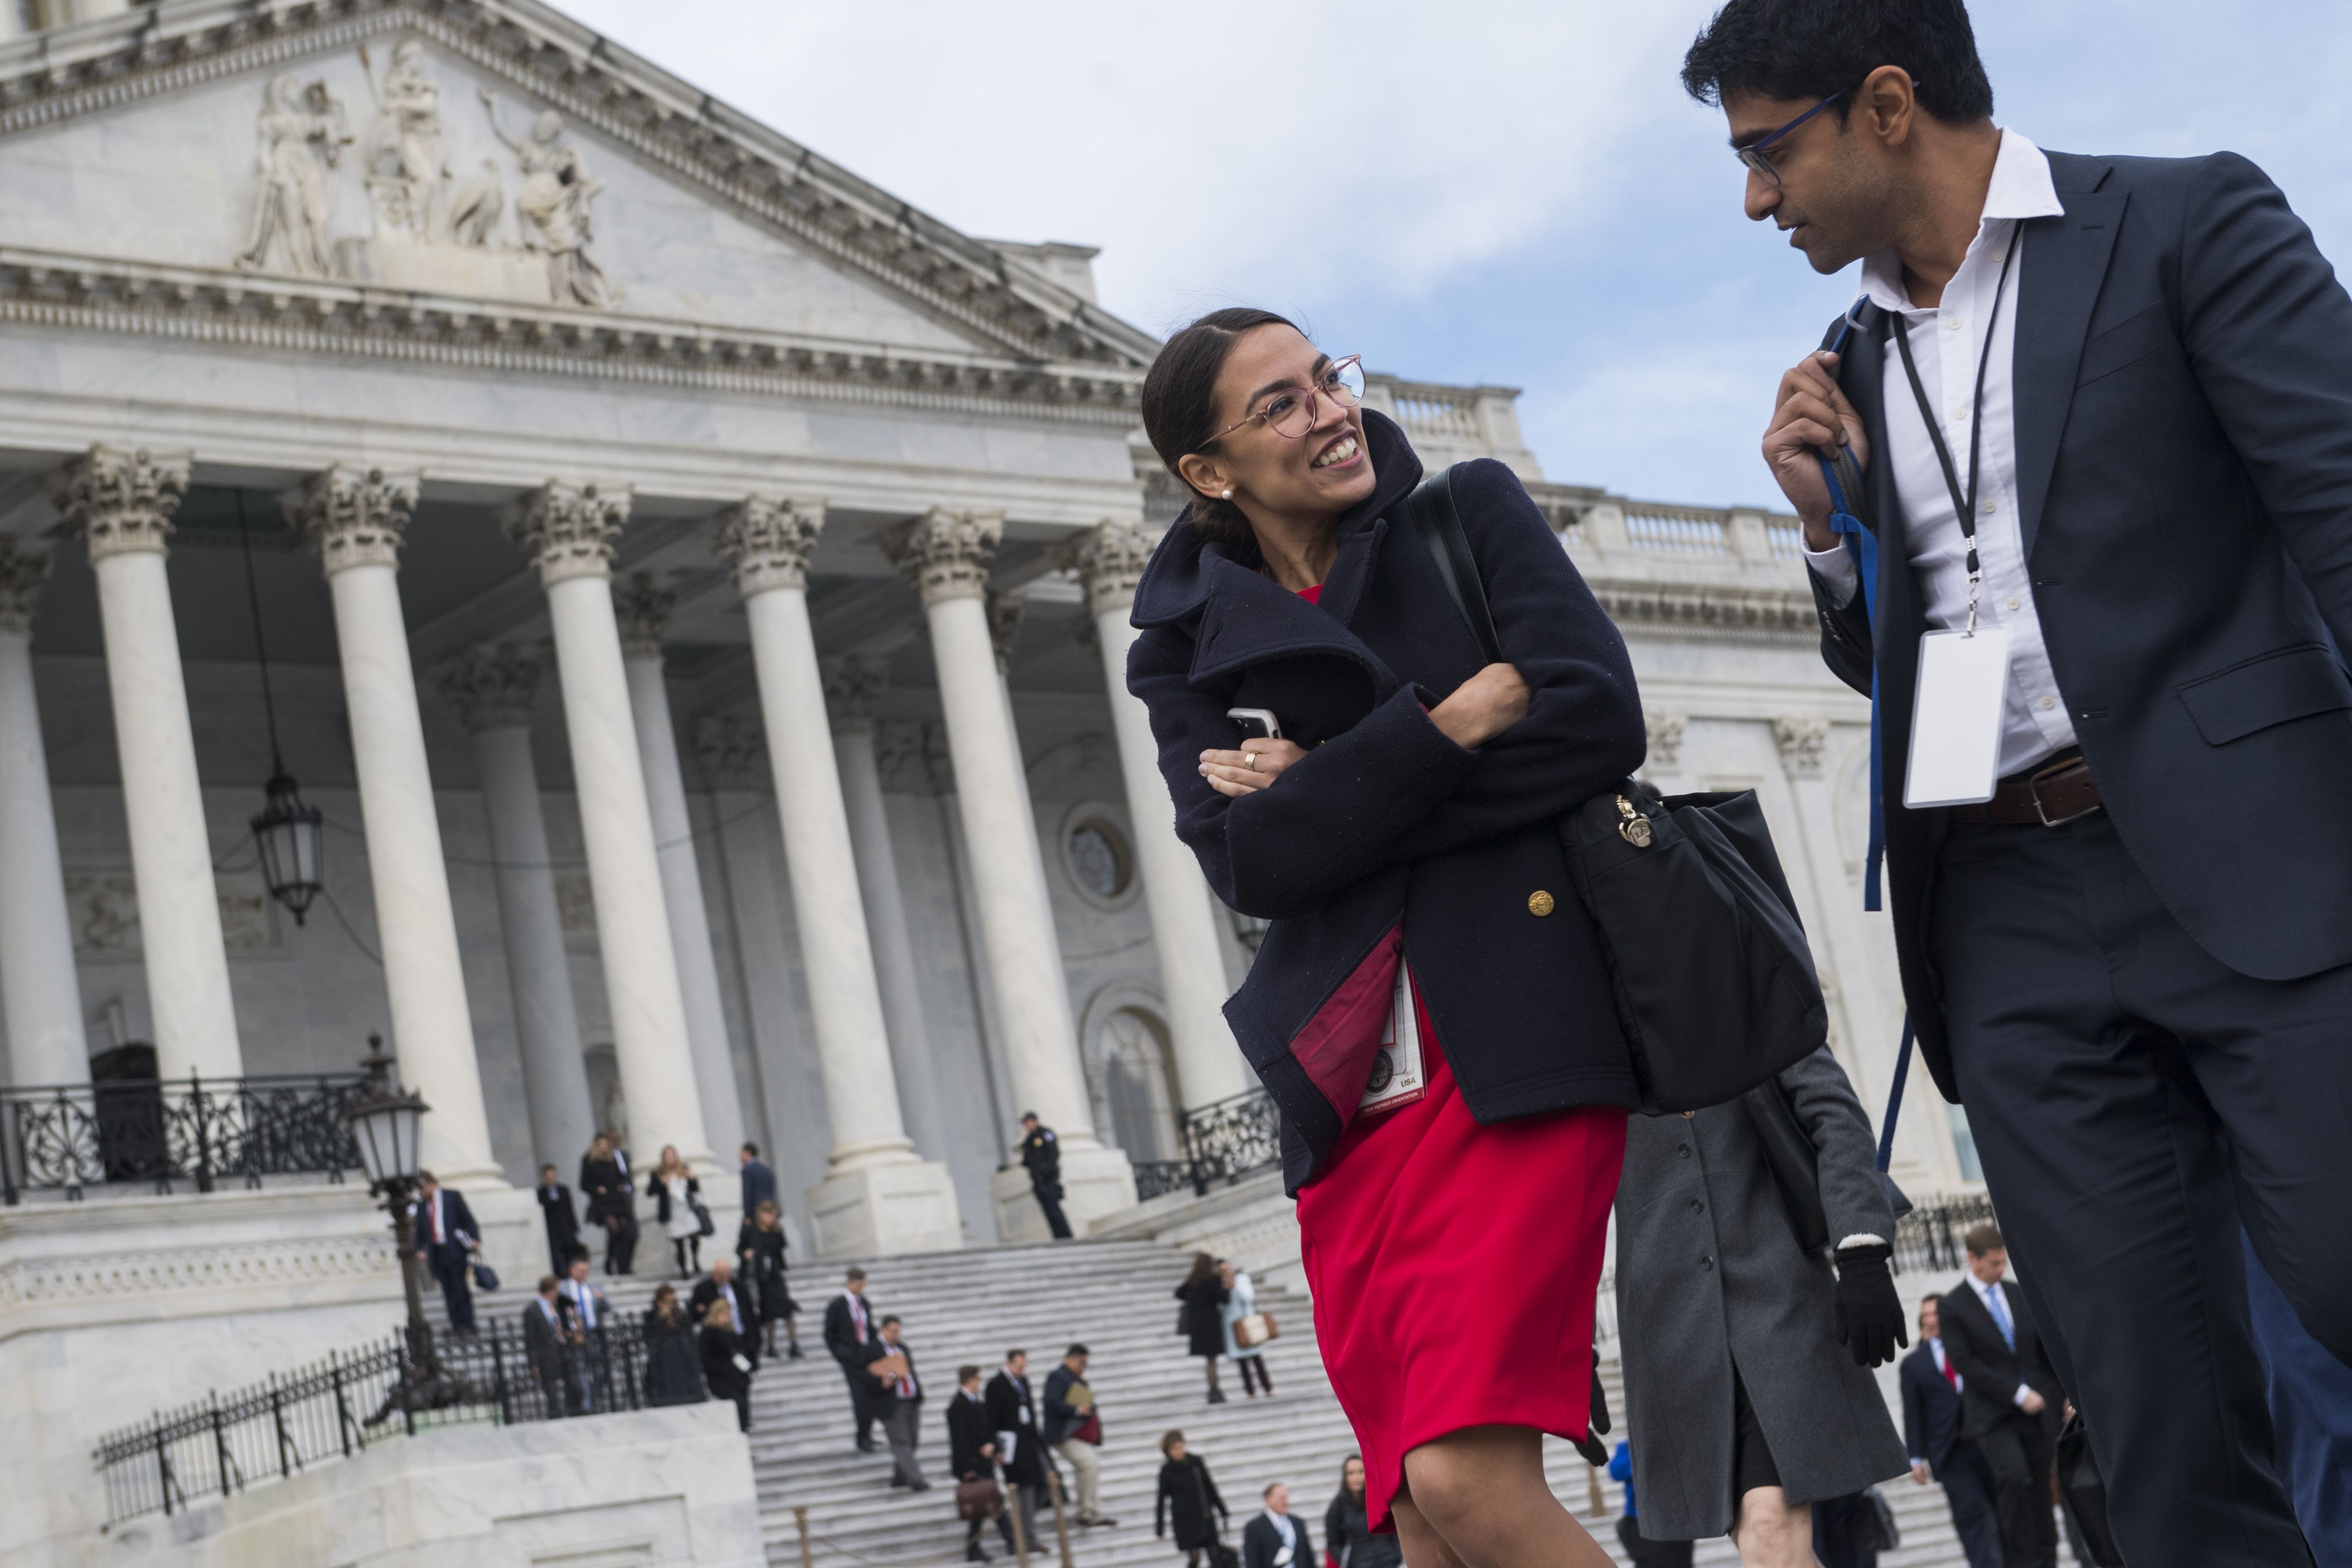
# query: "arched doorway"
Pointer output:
{"type": "Point", "coordinates": [1134, 1094]}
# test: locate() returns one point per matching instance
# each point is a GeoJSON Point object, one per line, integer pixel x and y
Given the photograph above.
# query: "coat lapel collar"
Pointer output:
{"type": "Point", "coordinates": [2062, 269]}
{"type": "Point", "coordinates": [1249, 618]}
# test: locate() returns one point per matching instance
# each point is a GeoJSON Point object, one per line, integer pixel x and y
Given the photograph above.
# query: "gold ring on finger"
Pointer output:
{"type": "Point", "coordinates": [1249, 761]}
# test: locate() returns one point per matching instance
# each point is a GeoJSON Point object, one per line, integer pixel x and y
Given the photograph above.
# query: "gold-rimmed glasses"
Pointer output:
{"type": "Point", "coordinates": [1291, 411]}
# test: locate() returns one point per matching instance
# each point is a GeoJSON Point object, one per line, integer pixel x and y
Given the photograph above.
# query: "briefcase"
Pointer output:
{"type": "Point", "coordinates": [2085, 1490]}
{"type": "Point", "coordinates": [978, 1500]}
{"type": "Point", "coordinates": [485, 1276]}
{"type": "Point", "coordinates": [1254, 1329]}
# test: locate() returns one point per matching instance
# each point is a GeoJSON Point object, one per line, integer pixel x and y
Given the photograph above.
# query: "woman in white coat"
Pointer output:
{"type": "Point", "coordinates": [1240, 1301]}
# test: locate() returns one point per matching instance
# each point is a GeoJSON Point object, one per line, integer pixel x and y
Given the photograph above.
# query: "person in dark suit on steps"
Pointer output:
{"type": "Point", "coordinates": [563, 1220]}
{"type": "Point", "coordinates": [897, 1399]}
{"type": "Point", "coordinates": [721, 1285]}
{"type": "Point", "coordinates": [1931, 1431]}
{"type": "Point", "coordinates": [1013, 1416]}
{"type": "Point", "coordinates": [2010, 1397]}
{"type": "Point", "coordinates": [725, 1368]}
{"type": "Point", "coordinates": [1277, 1538]}
{"type": "Point", "coordinates": [849, 1328]}
{"type": "Point", "coordinates": [971, 1456]}
{"type": "Point", "coordinates": [545, 1344]}
{"type": "Point", "coordinates": [447, 1238]}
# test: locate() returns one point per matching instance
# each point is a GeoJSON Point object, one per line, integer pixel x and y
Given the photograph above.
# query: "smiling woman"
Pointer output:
{"type": "Point", "coordinates": [1428, 1007]}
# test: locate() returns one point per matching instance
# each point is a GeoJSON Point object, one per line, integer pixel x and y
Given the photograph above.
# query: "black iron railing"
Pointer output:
{"type": "Point", "coordinates": [281, 1427]}
{"type": "Point", "coordinates": [159, 1132]}
{"type": "Point", "coordinates": [1224, 1142]}
{"type": "Point", "coordinates": [1931, 1237]}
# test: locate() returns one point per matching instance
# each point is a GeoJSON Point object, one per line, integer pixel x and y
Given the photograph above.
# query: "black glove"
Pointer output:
{"type": "Point", "coordinates": [1599, 1399]}
{"type": "Point", "coordinates": [1589, 1445]}
{"type": "Point", "coordinates": [1869, 1312]}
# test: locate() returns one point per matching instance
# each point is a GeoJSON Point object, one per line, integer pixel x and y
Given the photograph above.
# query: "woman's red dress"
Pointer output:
{"type": "Point", "coordinates": [1453, 1267]}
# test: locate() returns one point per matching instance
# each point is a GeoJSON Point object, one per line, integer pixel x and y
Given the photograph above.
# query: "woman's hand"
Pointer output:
{"type": "Point", "coordinates": [1256, 765]}
{"type": "Point", "coordinates": [1482, 707]}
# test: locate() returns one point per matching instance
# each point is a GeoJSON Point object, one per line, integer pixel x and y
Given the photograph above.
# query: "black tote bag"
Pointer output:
{"type": "Point", "coordinates": [1714, 981]}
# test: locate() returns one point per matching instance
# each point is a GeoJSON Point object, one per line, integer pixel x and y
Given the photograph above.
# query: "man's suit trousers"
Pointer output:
{"type": "Point", "coordinates": [2018, 1454]}
{"type": "Point", "coordinates": [1967, 1490]}
{"type": "Point", "coordinates": [2131, 1100]}
{"type": "Point", "coordinates": [449, 1266]}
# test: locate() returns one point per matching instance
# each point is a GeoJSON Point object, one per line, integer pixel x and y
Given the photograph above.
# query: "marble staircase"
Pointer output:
{"type": "Point", "coordinates": [1117, 1298]}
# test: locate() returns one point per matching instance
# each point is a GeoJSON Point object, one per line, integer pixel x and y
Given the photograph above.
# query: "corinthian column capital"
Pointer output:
{"type": "Point", "coordinates": [352, 516]}
{"type": "Point", "coordinates": [568, 530]}
{"type": "Point", "coordinates": [767, 544]}
{"type": "Point", "coordinates": [121, 500]}
{"type": "Point", "coordinates": [642, 603]}
{"type": "Point", "coordinates": [23, 573]}
{"type": "Point", "coordinates": [491, 684]}
{"type": "Point", "coordinates": [1109, 559]}
{"type": "Point", "coordinates": [852, 686]}
{"type": "Point", "coordinates": [946, 554]}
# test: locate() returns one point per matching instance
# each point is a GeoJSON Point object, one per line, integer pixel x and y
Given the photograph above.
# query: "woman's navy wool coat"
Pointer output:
{"type": "Point", "coordinates": [1385, 822]}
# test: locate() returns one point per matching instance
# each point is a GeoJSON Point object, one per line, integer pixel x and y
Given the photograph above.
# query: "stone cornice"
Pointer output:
{"type": "Point", "coordinates": [776, 182]}
{"type": "Point", "coordinates": [352, 516]}
{"type": "Point", "coordinates": [946, 554]}
{"type": "Point", "coordinates": [217, 305]}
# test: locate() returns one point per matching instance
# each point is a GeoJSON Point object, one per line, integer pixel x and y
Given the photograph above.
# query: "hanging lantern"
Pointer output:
{"type": "Point", "coordinates": [286, 833]}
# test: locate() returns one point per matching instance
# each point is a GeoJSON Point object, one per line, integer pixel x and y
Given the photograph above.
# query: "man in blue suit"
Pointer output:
{"type": "Point", "coordinates": [2101, 410]}
{"type": "Point", "coordinates": [445, 1238]}
{"type": "Point", "coordinates": [1931, 1430]}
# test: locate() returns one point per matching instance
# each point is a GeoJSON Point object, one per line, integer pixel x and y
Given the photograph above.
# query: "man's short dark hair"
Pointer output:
{"type": "Point", "coordinates": [1983, 1238]}
{"type": "Point", "coordinates": [1020, 1355]}
{"type": "Point", "coordinates": [1794, 49]}
{"type": "Point", "coordinates": [888, 1320]}
{"type": "Point", "coordinates": [752, 1149]}
{"type": "Point", "coordinates": [547, 1282]}
{"type": "Point", "coordinates": [1271, 1488]}
{"type": "Point", "coordinates": [1076, 1350]}
{"type": "Point", "coordinates": [580, 1253]}
{"type": "Point", "coordinates": [966, 1373]}
{"type": "Point", "coordinates": [855, 1274]}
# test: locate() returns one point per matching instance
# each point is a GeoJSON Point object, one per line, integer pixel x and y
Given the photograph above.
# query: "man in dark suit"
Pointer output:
{"type": "Point", "coordinates": [545, 1338]}
{"type": "Point", "coordinates": [586, 1315]}
{"type": "Point", "coordinates": [758, 1181]}
{"type": "Point", "coordinates": [719, 1285]}
{"type": "Point", "coordinates": [447, 1239]}
{"type": "Point", "coordinates": [1275, 1538]}
{"type": "Point", "coordinates": [849, 1328]}
{"type": "Point", "coordinates": [562, 1217]}
{"type": "Point", "coordinates": [1012, 1416]}
{"type": "Point", "coordinates": [2010, 1397]}
{"type": "Point", "coordinates": [1931, 1430]}
{"type": "Point", "coordinates": [897, 1399]}
{"type": "Point", "coordinates": [2099, 408]}
{"type": "Point", "coordinates": [971, 1455]}
{"type": "Point", "coordinates": [1041, 1156]}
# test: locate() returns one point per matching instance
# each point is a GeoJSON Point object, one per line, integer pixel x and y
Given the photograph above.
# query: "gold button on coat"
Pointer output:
{"type": "Point", "coordinates": [1539, 902]}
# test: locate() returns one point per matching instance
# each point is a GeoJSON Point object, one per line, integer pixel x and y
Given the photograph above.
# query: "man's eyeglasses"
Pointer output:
{"type": "Point", "coordinates": [1753, 153]}
{"type": "Point", "coordinates": [1291, 411]}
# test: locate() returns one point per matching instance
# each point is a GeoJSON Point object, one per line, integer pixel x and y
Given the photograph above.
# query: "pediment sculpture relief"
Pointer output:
{"type": "Point", "coordinates": [427, 228]}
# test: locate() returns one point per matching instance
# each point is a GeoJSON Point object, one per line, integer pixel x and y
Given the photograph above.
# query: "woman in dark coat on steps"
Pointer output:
{"type": "Point", "coordinates": [673, 1360]}
{"type": "Point", "coordinates": [1189, 1500]}
{"type": "Point", "coordinates": [721, 1355]}
{"type": "Point", "coordinates": [1431, 1009]}
{"type": "Point", "coordinates": [1204, 1294]}
{"type": "Point", "coordinates": [1348, 1532]}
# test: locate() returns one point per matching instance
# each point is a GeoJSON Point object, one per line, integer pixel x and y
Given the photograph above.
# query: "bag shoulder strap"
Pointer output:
{"type": "Point", "coordinates": [1431, 512]}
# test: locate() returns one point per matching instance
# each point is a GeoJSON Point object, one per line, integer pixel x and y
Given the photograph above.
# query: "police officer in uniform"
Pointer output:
{"type": "Point", "coordinates": [1041, 1153]}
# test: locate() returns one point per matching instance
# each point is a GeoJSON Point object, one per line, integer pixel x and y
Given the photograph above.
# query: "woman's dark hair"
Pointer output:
{"type": "Point", "coordinates": [1180, 404]}
{"type": "Point", "coordinates": [1810, 48]}
{"type": "Point", "coordinates": [1204, 1269]}
{"type": "Point", "coordinates": [1352, 1459]}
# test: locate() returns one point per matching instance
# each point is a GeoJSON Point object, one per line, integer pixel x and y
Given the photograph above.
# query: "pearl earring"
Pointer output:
{"type": "Point", "coordinates": [1224, 495]}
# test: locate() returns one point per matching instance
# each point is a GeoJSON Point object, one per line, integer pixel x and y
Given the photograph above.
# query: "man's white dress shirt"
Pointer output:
{"type": "Point", "coordinates": [1947, 343]}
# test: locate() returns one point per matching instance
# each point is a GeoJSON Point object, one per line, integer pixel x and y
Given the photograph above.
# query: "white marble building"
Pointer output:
{"type": "Point", "coordinates": [694, 587]}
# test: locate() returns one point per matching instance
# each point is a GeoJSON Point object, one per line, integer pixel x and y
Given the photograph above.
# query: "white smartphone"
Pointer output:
{"type": "Point", "coordinates": [1256, 723]}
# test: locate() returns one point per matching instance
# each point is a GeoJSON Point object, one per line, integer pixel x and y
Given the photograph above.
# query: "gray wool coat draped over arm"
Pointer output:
{"type": "Point", "coordinates": [1709, 1274]}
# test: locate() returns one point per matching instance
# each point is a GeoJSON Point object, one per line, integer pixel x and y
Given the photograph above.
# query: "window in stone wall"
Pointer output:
{"type": "Point", "coordinates": [1101, 862]}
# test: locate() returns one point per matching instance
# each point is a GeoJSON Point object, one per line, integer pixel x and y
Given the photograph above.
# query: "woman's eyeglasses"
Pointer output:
{"type": "Point", "coordinates": [1291, 411]}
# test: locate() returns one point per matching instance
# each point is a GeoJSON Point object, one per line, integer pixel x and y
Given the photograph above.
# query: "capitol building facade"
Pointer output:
{"type": "Point", "coordinates": [690, 587]}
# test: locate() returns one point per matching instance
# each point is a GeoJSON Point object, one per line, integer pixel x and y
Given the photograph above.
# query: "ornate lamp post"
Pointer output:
{"type": "Point", "coordinates": [384, 1123]}
{"type": "Point", "coordinates": [285, 831]}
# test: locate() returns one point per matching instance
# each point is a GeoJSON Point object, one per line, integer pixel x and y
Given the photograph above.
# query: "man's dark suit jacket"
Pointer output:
{"type": "Point", "coordinates": [2183, 378]}
{"type": "Point", "coordinates": [1261, 1541]}
{"type": "Point", "coordinates": [885, 1396]}
{"type": "Point", "coordinates": [841, 1329]}
{"type": "Point", "coordinates": [1012, 1407]}
{"type": "Point", "coordinates": [1990, 1370]}
{"type": "Point", "coordinates": [456, 1221]}
{"type": "Point", "coordinates": [543, 1342]}
{"type": "Point", "coordinates": [562, 1217]}
{"type": "Point", "coordinates": [747, 1311]}
{"type": "Point", "coordinates": [1931, 1410]}
{"type": "Point", "coordinates": [968, 1433]}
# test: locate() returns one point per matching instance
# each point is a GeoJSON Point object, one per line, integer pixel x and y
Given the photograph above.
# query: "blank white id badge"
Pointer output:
{"type": "Point", "coordinates": [1956, 721]}
{"type": "Point", "coordinates": [1396, 1069]}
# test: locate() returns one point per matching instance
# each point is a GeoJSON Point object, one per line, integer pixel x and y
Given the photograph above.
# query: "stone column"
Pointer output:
{"type": "Point", "coordinates": [38, 988]}
{"type": "Point", "coordinates": [355, 519]}
{"type": "Point", "coordinates": [569, 533]}
{"type": "Point", "coordinates": [850, 691]}
{"type": "Point", "coordinates": [878, 1194]}
{"type": "Point", "coordinates": [644, 605]}
{"type": "Point", "coordinates": [947, 555]}
{"type": "Point", "coordinates": [492, 687]}
{"type": "Point", "coordinates": [121, 503]}
{"type": "Point", "coordinates": [1109, 562]}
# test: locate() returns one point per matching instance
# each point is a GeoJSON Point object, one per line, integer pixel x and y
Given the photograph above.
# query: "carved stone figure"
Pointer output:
{"type": "Point", "coordinates": [302, 135]}
{"type": "Point", "coordinates": [553, 207]}
{"type": "Point", "coordinates": [474, 210]}
{"type": "Point", "coordinates": [405, 170]}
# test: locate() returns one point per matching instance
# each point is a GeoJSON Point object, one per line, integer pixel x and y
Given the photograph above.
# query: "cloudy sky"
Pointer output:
{"type": "Point", "coordinates": [1510, 191]}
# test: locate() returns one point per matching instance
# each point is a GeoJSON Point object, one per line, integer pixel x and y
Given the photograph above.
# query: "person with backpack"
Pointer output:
{"type": "Point", "coordinates": [1430, 1009]}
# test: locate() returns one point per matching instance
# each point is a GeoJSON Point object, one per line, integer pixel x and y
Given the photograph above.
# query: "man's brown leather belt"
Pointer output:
{"type": "Point", "coordinates": [2050, 796]}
